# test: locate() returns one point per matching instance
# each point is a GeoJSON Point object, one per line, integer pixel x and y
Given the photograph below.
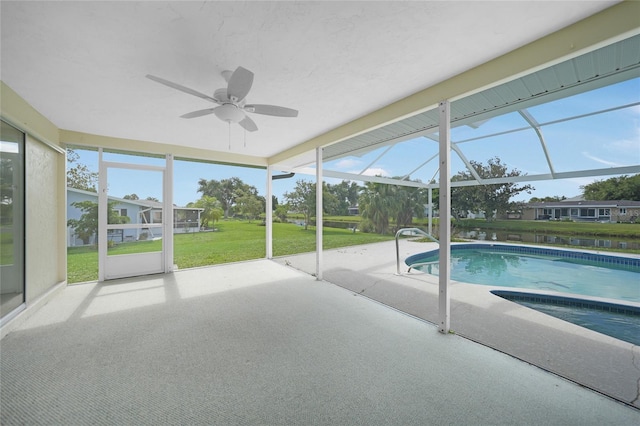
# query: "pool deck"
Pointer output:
{"type": "Point", "coordinates": [264, 342]}
{"type": "Point", "coordinates": [594, 360]}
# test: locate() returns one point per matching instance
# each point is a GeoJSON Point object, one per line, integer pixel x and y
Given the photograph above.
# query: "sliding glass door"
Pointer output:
{"type": "Point", "coordinates": [11, 219]}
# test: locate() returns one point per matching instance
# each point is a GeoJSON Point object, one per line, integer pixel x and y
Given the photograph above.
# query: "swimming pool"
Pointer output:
{"type": "Point", "coordinates": [587, 274]}
{"type": "Point", "coordinates": [616, 320]}
{"type": "Point", "coordinates": [582, 275]}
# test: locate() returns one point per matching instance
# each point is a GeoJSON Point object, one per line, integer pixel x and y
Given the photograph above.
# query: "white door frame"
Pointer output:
{"type": "Point", "coordinates": [129, 265]}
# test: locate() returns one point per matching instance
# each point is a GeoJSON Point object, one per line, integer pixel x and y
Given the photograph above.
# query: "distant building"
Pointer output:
{"type": "Point", "coordinates": [577, 209]}
{"type": "Point", "coordinates": [143, 212]}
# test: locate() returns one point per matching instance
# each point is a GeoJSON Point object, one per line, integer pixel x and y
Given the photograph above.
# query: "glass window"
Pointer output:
{"type": "Point", "coordinates": [588, 212]}
{"type": "Point", "coordinates": [11, 218]}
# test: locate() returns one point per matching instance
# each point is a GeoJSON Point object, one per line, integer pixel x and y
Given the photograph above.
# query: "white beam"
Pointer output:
{"type": "Point", "coordinates": [430, 211]}
{"type": "Point", "coordinates": [269, 213]}
{"type": "Point", "coordinates": [102, 216]}
{"type": "Point", "coordinates": [444, 267]}
{"type": "Point", "coordinates": [536, 126]}
{"type": "Point", "coordinates": [362, 178]}
{"type": "Point", "coordinates": [319, 213]}
{"type": "Point", "coordinates": [167, 214]}
{"type": "Point", "coordinates": [467, 163]}
{"type": "Point", "coordinates": [610, 171]}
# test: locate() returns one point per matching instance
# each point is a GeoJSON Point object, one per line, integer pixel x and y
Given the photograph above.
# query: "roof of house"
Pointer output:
{"type": "Point", "coordinates": [143, 203]}
{"type": "Point", "coordinates": [585, 203]}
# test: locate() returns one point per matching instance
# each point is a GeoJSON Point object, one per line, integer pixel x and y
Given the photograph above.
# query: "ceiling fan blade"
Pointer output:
{"type": "Point", "coordinates": [181, 88]}
{"type": "Point", "coordinates": [278, 111]}
{"type": "Point", "coordinates": [248, 124]}
{"type": "Point", "coordinates": [239, 84]}
{"type": "Point", "coordinates": [198, 113]}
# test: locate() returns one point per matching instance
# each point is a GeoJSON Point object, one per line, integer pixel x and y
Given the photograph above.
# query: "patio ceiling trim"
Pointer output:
{"type": "Point", "coordinates": [73, 138]}
{"type": "Point", "coordinates": [613, 24]}
{"type": "Point", "coordinates": [31, 122]}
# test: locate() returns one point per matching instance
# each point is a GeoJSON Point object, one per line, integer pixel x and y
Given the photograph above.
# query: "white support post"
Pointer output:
{"type": "Point", "coordinates": [102, 216]}
{"type": "Point", "coordinates": [430, 211]}
{"type": "Point", "coordinates": [167, 219]}
{"type": "Point", "coordinates": [269, 213]}
{"type": "Point", "coordinates": [319, 213]}
{"type": "Point", "coordinates": [445, 219]}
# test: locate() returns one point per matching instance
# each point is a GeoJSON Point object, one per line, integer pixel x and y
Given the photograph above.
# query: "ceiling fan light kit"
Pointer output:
{"type": "Point", "coordinates": [231, 100]}
{"type": "Point", "coordinates": [230, 113]}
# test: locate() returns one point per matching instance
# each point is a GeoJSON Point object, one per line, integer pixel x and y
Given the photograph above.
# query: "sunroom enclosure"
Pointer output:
{"type": "Point", "coordinates": [536, 113]}
{"type": "Point", "coordinates": [598, 52]}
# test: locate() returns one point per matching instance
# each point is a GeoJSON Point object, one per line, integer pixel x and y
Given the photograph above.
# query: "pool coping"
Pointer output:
{"type": "Point", "coordinates": [569, 299]}
{"type": "Point", "coordinates": [568, 253]}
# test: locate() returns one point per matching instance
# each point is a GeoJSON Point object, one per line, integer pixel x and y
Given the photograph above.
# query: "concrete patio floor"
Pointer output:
{"type": "Point", "coordinates": [263, 343]}
{"type": "Point", "coordinates": [600, 362]}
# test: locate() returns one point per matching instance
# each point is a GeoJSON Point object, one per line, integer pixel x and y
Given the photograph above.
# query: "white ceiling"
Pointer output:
{"type": "Point", "coordinates": [83, 64]}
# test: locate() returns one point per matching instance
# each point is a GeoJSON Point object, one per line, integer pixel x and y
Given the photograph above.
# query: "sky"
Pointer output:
{"type": "Point", "coordinates": [605, 140]}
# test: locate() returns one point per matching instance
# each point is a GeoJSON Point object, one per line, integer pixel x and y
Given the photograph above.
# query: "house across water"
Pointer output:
{"type": "Point", "coordinates": [584, 210]}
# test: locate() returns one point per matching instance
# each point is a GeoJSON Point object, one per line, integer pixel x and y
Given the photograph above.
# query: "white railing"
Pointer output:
{"type": "Point", "coordinates": [413, 231]}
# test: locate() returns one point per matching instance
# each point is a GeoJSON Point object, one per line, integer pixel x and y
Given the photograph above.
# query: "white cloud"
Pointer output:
{"type": "Point", "coordinates": [601, 160]}
{"type": "Point", "coordinates": [347, 163]}
{"type": "Point", "coordinates": [627, 147]}
{"type": "Point", "coordinates": [375, 171]}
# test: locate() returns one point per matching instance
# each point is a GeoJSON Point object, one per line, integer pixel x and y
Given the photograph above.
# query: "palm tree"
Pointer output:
{"type": "Point", "coordinates": [212, 210]}
{"type": "Point", "coordinates": [376, 205]}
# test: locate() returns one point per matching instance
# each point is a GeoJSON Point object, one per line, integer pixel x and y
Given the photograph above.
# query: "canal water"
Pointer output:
{"type": "Point", "coordinates": [549, 239]}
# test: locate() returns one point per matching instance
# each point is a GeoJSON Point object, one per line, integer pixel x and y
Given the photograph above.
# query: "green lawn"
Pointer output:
{"type": "Point", "coordinates": [240, 240]}
{"type": "Point", "coordinates": [234, 241]}
{"type": "Point", "coordinates": [6, 246]}
{"type": "Point", "coordinates": [626, 230]}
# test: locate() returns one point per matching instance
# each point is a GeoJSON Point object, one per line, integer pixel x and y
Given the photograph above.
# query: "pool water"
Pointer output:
{"type": "Point", "coordinates": [621, 321]}
{"type": "Point", "coordinates": [537, 271]}
{"type": "Point", "coordinates": [620, 326]}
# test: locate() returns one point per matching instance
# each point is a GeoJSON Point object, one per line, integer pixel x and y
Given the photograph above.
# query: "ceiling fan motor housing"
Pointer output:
{"type": "Point", "coordinates": [229, 112]}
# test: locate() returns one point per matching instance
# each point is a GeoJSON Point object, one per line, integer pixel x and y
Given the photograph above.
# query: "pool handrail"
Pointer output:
{"type": "Point", "coordinates": [402, 231]}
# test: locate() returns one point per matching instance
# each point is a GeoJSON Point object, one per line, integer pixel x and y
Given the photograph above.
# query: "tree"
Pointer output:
{"type": "Point", "coordinates": [490, 198]}
{"type": "Point", "coordinates": [379, 203]}
{"type": "Point", "coordinates": [281, 212]}
{"type": "Point", "coordinates": [249, 205]}
{"type": "Point", "coordinates": [131, 197]}
{"type": "Point", "coordinates": [87, 226]}
{"type": "Point", "coordinates": [409, 203]}
{"type": "Point", "coordinates": [547, 199]}
{"type": "Point", "coordinates": [303, 200]}
{"type": "Point", "coordinates": [616, 188]}
{"type": "Point", "coordinates": [79, 176]}
{"type": "Point", "coordinates": [226, 191]}
{"type": "Point", "coordinates": [344, 195]}
{"type": "Point", "coordinates": [212, 210]}
{"type": "Point", "coordinates": [376, 205]}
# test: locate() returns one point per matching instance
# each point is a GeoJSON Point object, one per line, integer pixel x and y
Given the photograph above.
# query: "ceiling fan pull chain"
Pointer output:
{"type": "Point", "coordinates": [245, 138]}
{"type": "Point", "coordinates": [229, 135]}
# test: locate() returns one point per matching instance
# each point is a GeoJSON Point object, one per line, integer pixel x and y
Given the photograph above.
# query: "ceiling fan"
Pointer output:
{"type": "Point", "coordinates": [232, 106]}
